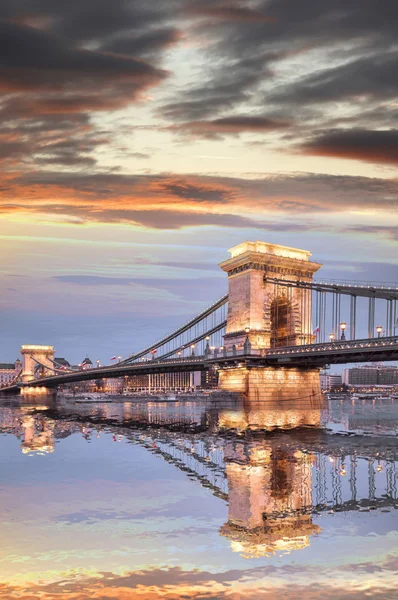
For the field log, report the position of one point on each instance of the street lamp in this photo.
(119, 358)
(247, 345)
(331, 337)
(379, 329)
(207, 348)
(343, 327)
(193, 349)
(98, 363)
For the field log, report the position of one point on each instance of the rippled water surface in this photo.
(197, 500)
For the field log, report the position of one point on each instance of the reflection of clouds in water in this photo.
(144, 509)
(174, 583)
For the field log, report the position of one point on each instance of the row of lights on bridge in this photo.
(343, 327)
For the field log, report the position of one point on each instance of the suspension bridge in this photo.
(276, 316)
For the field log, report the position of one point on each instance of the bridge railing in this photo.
(378, 285)
(335, 345)
(338, 345)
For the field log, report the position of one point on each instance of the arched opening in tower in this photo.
(282, 325)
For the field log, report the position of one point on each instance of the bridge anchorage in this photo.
(267, 338)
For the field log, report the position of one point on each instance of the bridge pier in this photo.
(287, 386)
(274, 397)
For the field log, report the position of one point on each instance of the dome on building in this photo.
(87, 361)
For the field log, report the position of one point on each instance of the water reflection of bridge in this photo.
(276, 485)
(274, 489)
(195, 438)
(334, 475)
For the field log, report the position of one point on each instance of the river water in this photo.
(199, 499)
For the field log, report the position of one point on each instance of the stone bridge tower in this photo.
(264, 311)
(268, 312)
(33, 356)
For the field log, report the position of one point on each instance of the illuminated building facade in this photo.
(330, 381)
(113, 385)
(370, 375)
(209, 379)
(163, 382)
(8, 372)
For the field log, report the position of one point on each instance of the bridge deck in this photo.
(314, 355)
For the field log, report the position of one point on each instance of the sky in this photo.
(141, 140)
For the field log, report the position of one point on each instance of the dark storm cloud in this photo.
(147, 43)
(228, 12)
(90, 20)
(295, 195)
(245, 54)
(27, 137)
(183, 189)
(231, 126)
(359, 144)
(372, 78)
(384, 231)
(55, 72)
(100, 55)
(225, 87)
(380, 117)
(32, 59)
(153, 219)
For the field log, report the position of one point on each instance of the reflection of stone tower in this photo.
(38, 436)
(275, 413)
(270, 494)
(33, 353)
(277, 398)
